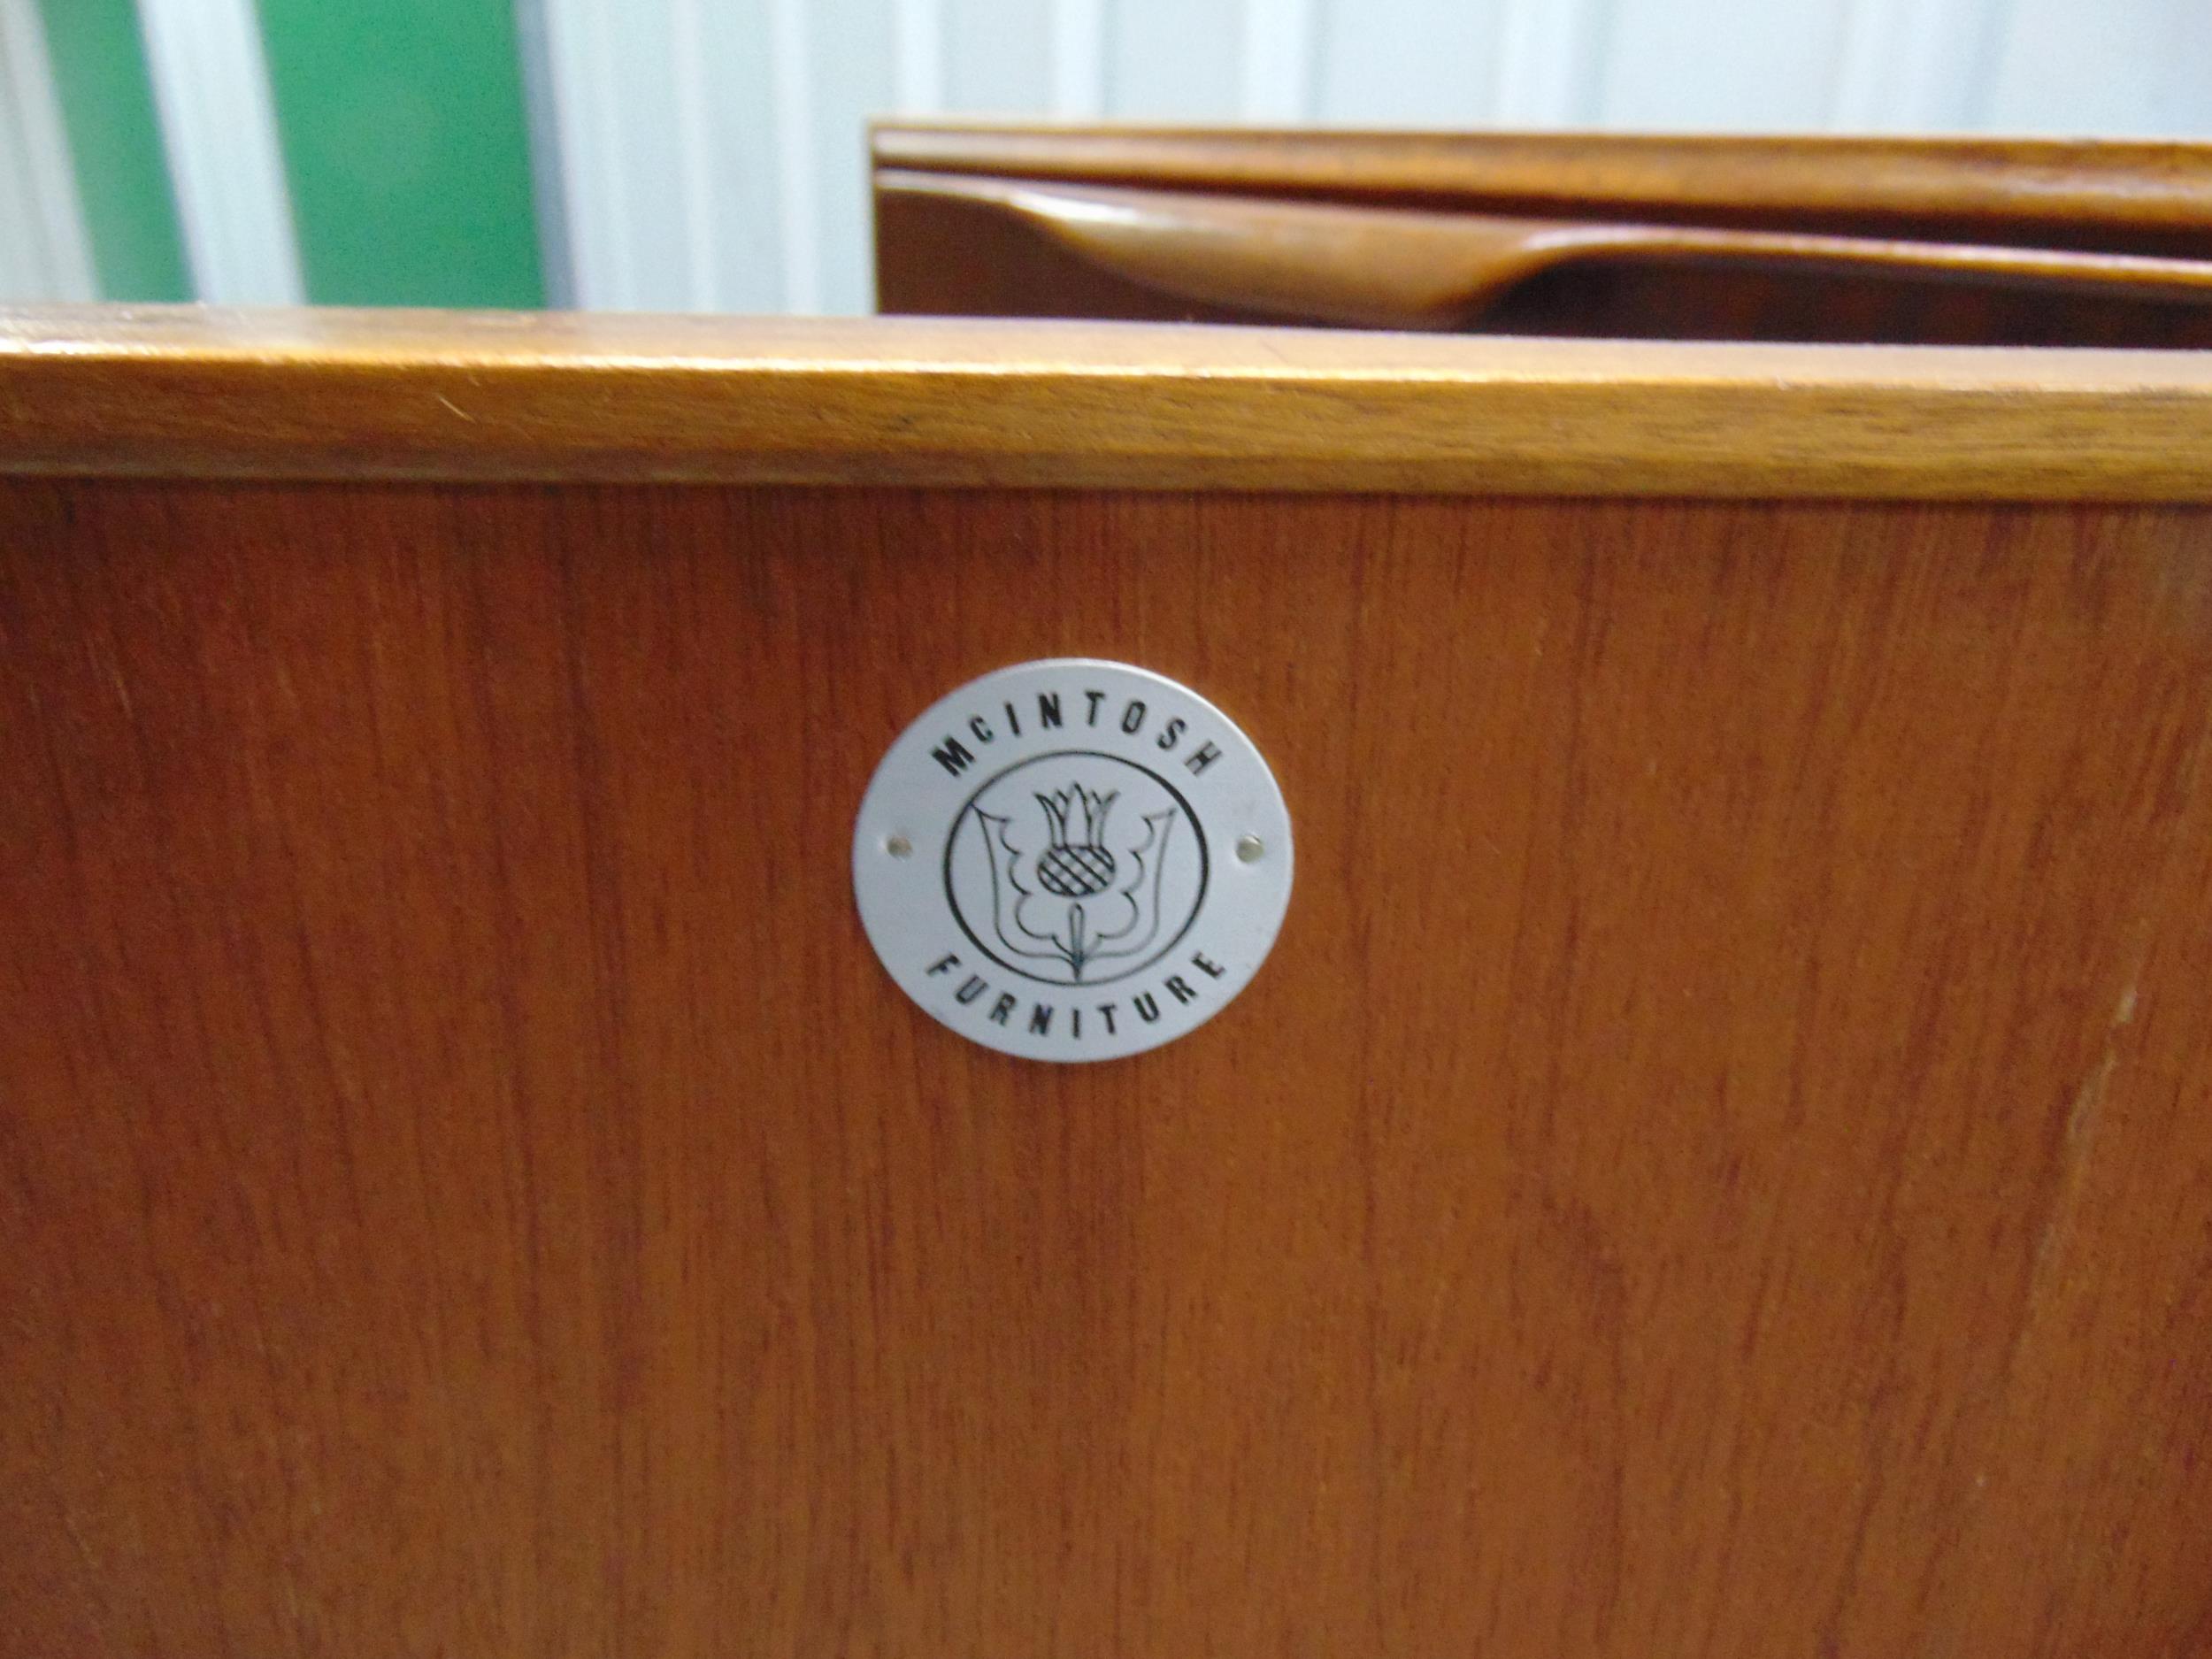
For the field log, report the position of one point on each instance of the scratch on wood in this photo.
(2080, 1120)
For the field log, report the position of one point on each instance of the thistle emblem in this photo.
(1076, 869)
(1076, 898)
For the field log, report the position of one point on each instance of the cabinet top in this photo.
(192, 391)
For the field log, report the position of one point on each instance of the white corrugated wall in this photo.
(724, 154)
(709, 155)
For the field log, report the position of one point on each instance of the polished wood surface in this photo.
(198, 392)
(1875, 240)
(2125, 195)
(1719, 1163)
(1407, 268)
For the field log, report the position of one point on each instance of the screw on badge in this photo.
(1034, 860)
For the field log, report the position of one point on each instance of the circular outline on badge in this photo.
(1274, 807)
(1198, 828)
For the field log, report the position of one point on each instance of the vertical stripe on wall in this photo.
(2140, 69)
(1175, 60)
(798, 182)
(1912, 66)
(1545, 56)
(99, 67)
(1079, 61)
(917, 55)
(218, 127)
(695, 151)
(1277, 51)
(548, 166)
(44, 253)
(852, 79)
(406, 151)
(998, 56)
(586, 71)
(1406, 63)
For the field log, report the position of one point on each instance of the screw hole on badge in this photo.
(1250, 849)
(898, 846)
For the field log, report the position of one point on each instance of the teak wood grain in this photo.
(1970, 242)
(1719, 1163)
(2100, 192)
(1395, 267)
(196, 392)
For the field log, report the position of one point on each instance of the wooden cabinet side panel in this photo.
(1718, 1161)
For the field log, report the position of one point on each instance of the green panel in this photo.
(115, 145)
(406, 149)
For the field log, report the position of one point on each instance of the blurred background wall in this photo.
(710, 154)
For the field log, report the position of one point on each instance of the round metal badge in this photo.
(1072, 860)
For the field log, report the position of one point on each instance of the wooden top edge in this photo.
(954, 141)
(2136, 184)
(1324, 140)
(202, 392)
(403, 340)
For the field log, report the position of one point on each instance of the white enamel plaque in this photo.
(1072, 860)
